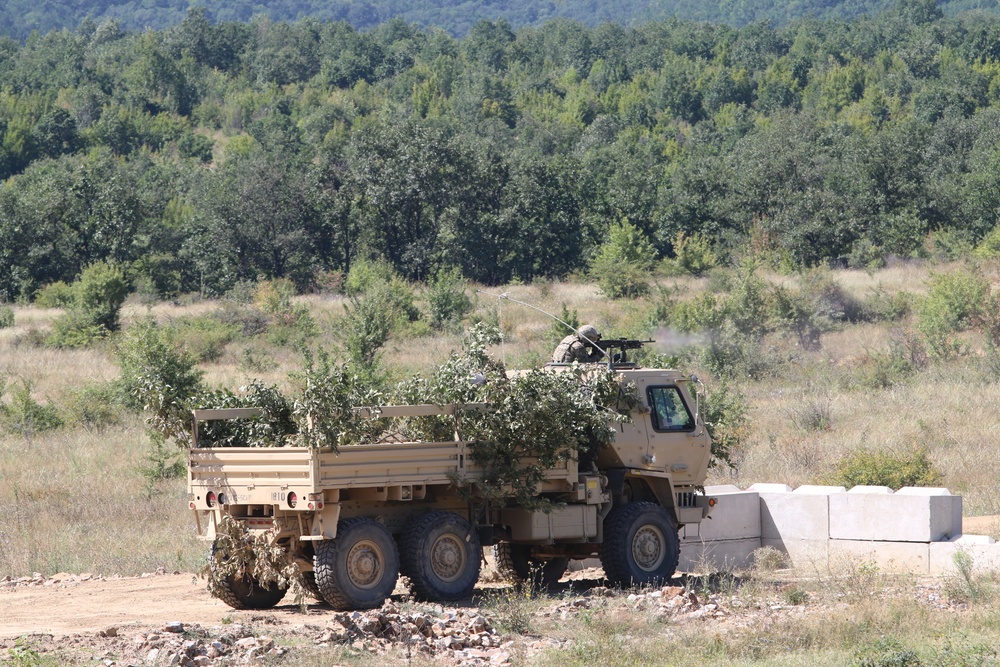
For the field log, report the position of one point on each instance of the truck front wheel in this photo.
(441, 556)
(641, 545)
(358, 569)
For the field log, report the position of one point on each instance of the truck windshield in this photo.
(669, 411)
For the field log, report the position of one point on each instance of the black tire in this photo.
(641, 545)
(358, 569)
(515, 563)
(441, 555)
(244, 592)
(309, 583)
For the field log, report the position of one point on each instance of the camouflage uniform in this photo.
(576, 348)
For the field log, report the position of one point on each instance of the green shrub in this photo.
(203, 337)
(989, 246)
(94, 406)
(881, 306)
(954, 302)
(692, 254)
(886, 652)
(289, 323)
(622, 266)
(24, 415)
(55, 295)
(865, 467)
(366, 327)
(904, 357)
(156, 375)
(97, 299)
(6, 317)
(366, 273)
(447, 298)
(100, 293)
(724, 411)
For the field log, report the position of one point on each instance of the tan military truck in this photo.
(355, 519)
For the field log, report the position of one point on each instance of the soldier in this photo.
(579, 347)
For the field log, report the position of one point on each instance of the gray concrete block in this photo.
(811, 556)
(736, 517)
(985, 555)
(890, 557)
(799, 516)
(895, 517)
(718, 555)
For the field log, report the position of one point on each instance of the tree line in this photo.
(210, 153)
(19, 18)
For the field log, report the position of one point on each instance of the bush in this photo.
(884, 468)
(724, 411)
(6, 317)
(880, 306)
(204, 337)
(954, 302)
(886, 652)
(97, 299)
(692, 254)
(55, 295)
(156, 375)
(100, 293)
(447, 298)
(366, 273)
(622, 266)
(366, 327)
(95, 406)
(24, 415)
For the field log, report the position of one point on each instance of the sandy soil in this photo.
(71, 607)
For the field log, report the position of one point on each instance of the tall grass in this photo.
(74, 498)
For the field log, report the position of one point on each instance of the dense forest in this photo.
(209, 153)
(18, 18)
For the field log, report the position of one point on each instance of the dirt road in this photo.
(70, 607)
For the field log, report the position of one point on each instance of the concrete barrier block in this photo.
(807, 555)
(798, 516)
(985, 557)
(717, 556)
(770, 488)
(895, 517)
(736, 517)
(893, 557)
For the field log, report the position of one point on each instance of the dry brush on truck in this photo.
(545, 466)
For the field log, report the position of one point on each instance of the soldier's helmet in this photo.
(590, 332)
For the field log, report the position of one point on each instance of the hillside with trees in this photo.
(18, 18)
(207, 154)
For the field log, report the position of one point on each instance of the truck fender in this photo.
(324, 523)
(661, 486)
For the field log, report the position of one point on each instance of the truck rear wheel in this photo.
(441, 555)
(244, 592)
(358, 569)
(641, 545)
(515, 564)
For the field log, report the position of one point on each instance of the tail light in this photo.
(210, 498)
(292, 499)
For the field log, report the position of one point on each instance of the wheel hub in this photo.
(648, 548)
(365, 564)
(448, 557)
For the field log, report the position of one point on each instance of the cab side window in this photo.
(669, 412)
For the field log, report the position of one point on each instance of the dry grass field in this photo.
(80, 498)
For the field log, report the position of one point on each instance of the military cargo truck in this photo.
(354, 520)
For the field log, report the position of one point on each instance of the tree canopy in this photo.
(213, 152)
